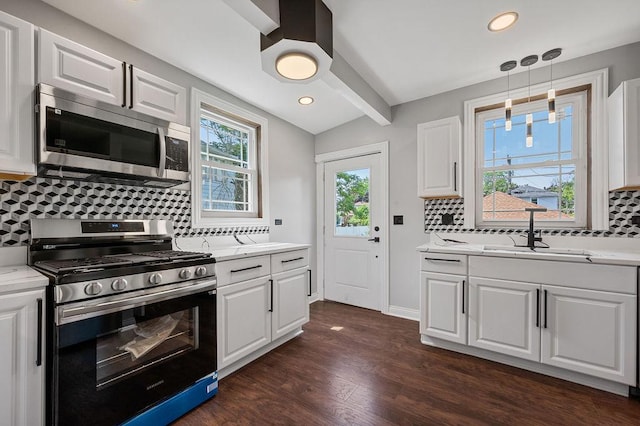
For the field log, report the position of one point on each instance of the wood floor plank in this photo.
(374, 371)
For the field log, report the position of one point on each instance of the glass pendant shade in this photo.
(507, 115)
(529, 140)
(551, 99)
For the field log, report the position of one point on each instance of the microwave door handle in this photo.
(163, 152)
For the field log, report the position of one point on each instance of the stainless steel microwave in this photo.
(83, 139)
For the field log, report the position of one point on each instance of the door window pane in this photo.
(352, 214)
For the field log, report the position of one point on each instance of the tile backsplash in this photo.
(53, 198)
(622, 206)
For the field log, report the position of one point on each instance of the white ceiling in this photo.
(404, 49)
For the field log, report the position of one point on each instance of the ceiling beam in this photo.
(264, 15)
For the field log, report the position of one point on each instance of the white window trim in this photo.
(198, 98)
(599, 201)
(579, 122)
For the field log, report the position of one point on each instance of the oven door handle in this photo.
(69, 313)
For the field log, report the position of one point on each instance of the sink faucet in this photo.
(531, 238)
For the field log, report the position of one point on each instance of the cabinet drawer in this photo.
(233, 271)
(289, 260)
(444, 263)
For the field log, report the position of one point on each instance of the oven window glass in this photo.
(138, 345)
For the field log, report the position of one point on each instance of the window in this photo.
(229, 167)
(552, 173)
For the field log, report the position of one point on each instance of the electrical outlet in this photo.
(446, 219)
(278, 221)
(398, 220)
(635, 220)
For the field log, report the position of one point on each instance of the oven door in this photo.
(117, 359)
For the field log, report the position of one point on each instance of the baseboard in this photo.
(536, 367)
(399, 311)
(315, 297)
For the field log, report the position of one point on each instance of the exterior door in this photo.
(353, 228)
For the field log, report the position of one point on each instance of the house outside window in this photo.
(229, 171)
(552, 173)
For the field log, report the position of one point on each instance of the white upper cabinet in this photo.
(155, 96)
(624, 136)
(440, 158)
(71, 66)
(17, 74)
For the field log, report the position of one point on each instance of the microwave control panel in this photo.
(177, 154)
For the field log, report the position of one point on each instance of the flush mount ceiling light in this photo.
(296, 66)
(502, 21)
(305, 100)
(301, 49)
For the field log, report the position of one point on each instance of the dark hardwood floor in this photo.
(375, 371)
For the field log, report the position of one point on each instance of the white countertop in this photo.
(610, 257)
(236, 252)
(20, 278)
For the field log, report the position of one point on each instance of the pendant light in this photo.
(527, 62)
(508, 66)
(551, 94)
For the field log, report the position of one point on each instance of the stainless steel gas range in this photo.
(131, 322)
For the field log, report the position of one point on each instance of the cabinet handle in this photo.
(537, 307)
(309, 294)
(437, 259)
(545, 308)
(292, 260)
(124, 84)
(271, 297)
(39, 335)
(455, 175)
(130, 86)
(463, 282)
(245, 269)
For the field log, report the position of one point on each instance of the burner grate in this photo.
(58, 266)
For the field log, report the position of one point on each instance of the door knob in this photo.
(375, 239)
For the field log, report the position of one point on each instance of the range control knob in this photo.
(185, 274)
(201, 271)
(93, 289)
(119, 284)
(155, 279)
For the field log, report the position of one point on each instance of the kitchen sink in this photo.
(548, 250)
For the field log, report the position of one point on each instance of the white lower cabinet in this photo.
(21, 358)
(590, 332)
(290, 301)
(243, 319)
(504, 317)
(442, 306)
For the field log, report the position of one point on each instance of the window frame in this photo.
(245, 120)
(579, 102)
(598, 195)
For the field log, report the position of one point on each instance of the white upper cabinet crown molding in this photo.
(624, 136)
(440, 158)
(17, 73)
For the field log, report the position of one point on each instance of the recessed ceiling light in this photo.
(305, 100)
(296, 66)
(503, 21)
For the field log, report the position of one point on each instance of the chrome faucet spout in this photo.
(531, 236)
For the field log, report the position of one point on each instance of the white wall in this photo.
(623, 64)
(291, 150)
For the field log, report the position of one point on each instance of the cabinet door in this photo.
(71, 66)
(290, 301)
(439, 160)
(592, 332)
(16, 96)
(157, 97)
(22, 384)
(632, 132)
(442, 306)
(243, 319)
(503, 317)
